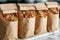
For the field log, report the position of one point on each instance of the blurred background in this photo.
(28, 1)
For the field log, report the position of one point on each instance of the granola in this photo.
(28, 13)
(10, 17)
(42, 13)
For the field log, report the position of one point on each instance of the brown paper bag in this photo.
(9, 22)
(41, 19)
(26, 21)
(53, 16)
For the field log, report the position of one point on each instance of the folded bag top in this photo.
(41, 6)
(9, 12)
(42, 10)
(51, 4)
(26, 7)
(8, 8)
(53, 7)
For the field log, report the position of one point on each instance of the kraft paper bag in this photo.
(41, 19)
(26, 21)
(8, 22)
(53, 16)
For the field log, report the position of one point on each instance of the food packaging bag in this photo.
(41, 18)
(9, 22)
(53, 16)
(26, 24)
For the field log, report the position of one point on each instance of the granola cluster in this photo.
(42, 13)
(10, 17)
(53, 10)
(28, 13)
